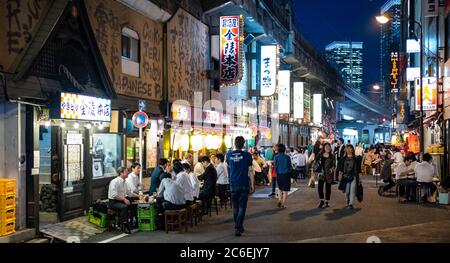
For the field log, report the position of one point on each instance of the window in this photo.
(130, 52)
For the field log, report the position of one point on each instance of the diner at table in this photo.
(404, 175)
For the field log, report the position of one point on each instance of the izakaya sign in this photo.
(429, 94)
(268, 70)
(394, 70)
(231, 28)
(298, 100)
(79, 107)
(284, 91)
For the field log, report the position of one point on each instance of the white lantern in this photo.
(228, 141)
(184, 142)
(210, 142)
(197, 142)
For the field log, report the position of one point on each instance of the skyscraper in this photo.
(347, 58)
(389, 43)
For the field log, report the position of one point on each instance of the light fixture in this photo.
(382, 19)
(100, 126)
(62, 125)
(376, 87)
(88, 126)
(47, 124)
(76, 125)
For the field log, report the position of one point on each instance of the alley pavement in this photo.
(302, 221)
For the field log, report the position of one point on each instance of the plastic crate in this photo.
(97, 218)
(7, 214)
(147, 224)
(7, 186)
(148, 211)
(7, 201)
(7, 227)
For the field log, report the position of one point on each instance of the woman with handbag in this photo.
(283, 169)
(326, 167)
(348, 169)
(312, 163)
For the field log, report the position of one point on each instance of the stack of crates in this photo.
(146, 215)
(97, 218)
(7, 206)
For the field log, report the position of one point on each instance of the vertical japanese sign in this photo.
(268, 70)
(429, 94)
(317, 105)
(230, 50)
(401, 112)
(298, 100)
(430, 8)
(446, 98)
(394, 70)
(284, 92)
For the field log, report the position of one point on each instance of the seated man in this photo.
(119, 196)
(209, 178)
(183, 180)
(402, 172)
(386, 173)
(157, 175)
(170, 196)
(425, 172)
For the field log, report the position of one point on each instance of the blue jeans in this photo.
(239, 197)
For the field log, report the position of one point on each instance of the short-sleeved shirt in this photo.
(238, 164)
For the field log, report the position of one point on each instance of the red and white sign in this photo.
(212, 117)
(230, 68)
(140, 120)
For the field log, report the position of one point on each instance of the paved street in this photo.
(303, 222)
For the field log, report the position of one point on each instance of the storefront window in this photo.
(107, 158)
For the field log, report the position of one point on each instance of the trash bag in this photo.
(359, 192)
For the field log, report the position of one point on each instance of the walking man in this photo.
(241, 185)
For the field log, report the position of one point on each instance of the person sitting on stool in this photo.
(171, 195)
(424, 173)
(119, 196)
(209, 178)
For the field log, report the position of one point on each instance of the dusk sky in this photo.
(324, 21)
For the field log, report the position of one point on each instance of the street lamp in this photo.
(376, 87)
(383, 19)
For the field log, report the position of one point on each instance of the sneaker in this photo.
(326, 205)
(272, 195)
(350, 207)
(242, 230)
(237, 233)
(322, 203)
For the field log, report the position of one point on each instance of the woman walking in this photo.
(327, 166)
(349, 173)
(283, 169)
(312, 162)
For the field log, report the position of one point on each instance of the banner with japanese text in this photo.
(429, 94)
(230, 48)
(268, 70)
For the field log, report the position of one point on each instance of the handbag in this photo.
(359, 192)
(311, 158)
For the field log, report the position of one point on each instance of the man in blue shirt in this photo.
(239, 162)
(157, 175)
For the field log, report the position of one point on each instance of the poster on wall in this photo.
(230, 50)
(317, 105)
(268, 70)
(106, 154)
(298, 100)
(429, 94)
(284, 91)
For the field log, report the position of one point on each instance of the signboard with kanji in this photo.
(230, 49)
(268, 70)
(429, 94)
(79, 107)
(394, 70)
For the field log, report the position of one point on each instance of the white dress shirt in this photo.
(195, 184)
(401, 168)
(117, 187)
(398, 157)
(424, 172)
(185, 183)
(222, 173)
(133, 183)
(171, 192)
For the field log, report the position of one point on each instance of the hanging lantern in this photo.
(197, 142)
(184, 142)
(228, 141)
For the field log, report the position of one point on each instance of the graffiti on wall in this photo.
(18, 21)
(187, 47)
(107, 20)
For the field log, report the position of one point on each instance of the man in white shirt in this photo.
(119, 195)
(170, 196)
(425, 172)
(183, 180)
(133, 178)
(300, 161)
(401, 175)
(222, 178)
(193, 179)
(398, 157)
(188, 159)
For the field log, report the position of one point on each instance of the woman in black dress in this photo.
(283, 169)
(327, 165)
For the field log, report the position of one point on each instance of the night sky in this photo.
(324, 21)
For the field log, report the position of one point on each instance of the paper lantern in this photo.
(228, 141)
(197, 142)
(175, 140)
(184, 142)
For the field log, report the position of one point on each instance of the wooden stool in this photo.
(113, 218)
(175, 219)
(198, 212)
(191, 214)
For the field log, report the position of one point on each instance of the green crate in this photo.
(146, 211)
(97, 218)
(147, 224)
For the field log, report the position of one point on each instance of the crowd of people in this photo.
(177, 184)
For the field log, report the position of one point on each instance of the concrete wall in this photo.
(9, 164)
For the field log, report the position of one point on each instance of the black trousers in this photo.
(327, 190)
(222, 192)
(413, 186)
(120, 207)
(389, 184)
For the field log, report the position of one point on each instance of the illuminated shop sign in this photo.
(268, 70)
(231, 28)
(284, 93)
(80, 107)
